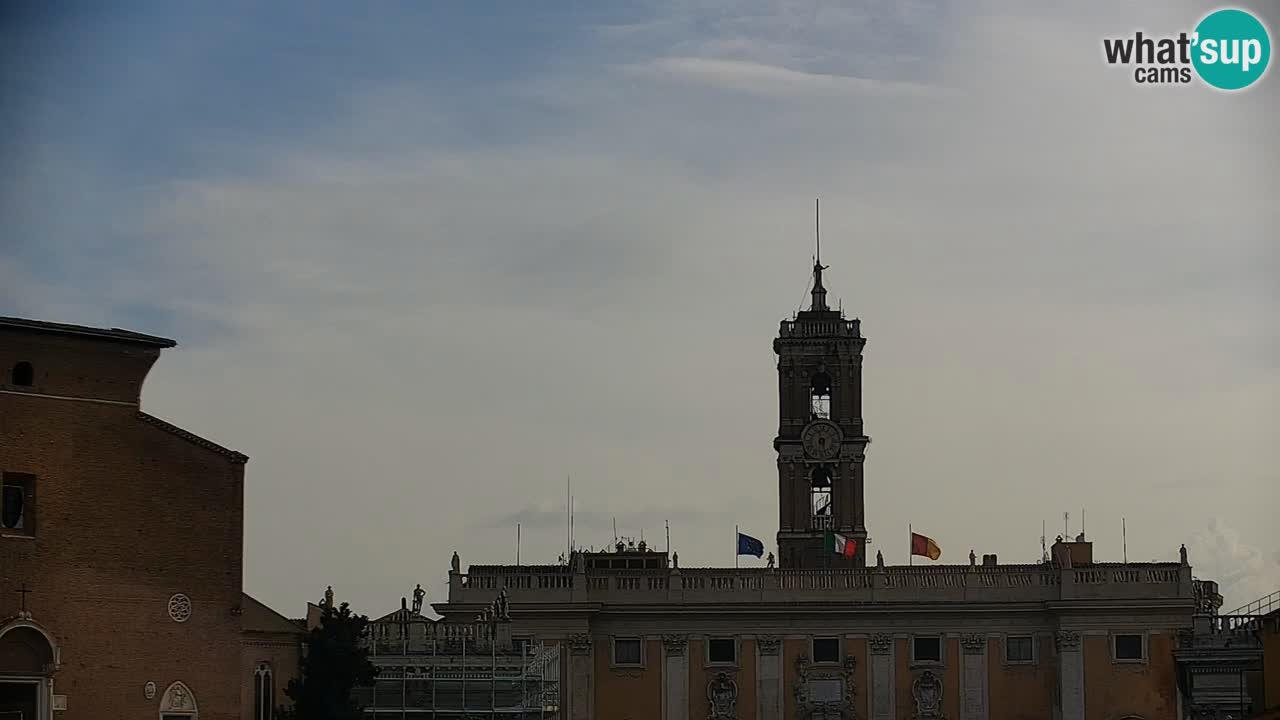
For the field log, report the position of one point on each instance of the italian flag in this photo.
(841, 545)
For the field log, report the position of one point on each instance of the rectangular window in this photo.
(722, 651)
(1019, 649)
(626, 651)
(1129, 647)
(521, 644)
(17, 503)
(927, 648)
(826, 650)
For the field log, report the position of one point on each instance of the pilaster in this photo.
(675, 677)
(882, 684)
(768, 677)
(581, 691)
(973, 677)
(1070, 674)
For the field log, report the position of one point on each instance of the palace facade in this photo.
(826, 636)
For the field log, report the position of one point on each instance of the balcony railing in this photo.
(820, 522)
(1004, 583)
(1261, 606)
(819, 328)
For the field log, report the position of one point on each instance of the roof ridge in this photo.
(238, 458)
(118, 334)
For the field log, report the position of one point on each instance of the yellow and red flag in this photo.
(925, 546)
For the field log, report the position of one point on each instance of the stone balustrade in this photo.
(819, 328)
(924, 583)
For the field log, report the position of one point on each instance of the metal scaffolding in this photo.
(431, 670)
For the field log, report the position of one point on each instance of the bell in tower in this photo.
(820, 443)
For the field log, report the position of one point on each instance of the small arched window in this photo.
(820, 394)
(263, 693)
(820, 497)
(23, 374)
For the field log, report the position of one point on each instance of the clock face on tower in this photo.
(822, 440)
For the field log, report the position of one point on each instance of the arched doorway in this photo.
(178, 703)
(28, 659)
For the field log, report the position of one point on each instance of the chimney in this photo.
(1072, 554)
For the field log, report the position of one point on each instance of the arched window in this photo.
(820, 394)
(23, 374)
(820, 497)
(263, 693)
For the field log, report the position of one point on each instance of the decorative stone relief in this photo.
(927, 692)
(179, 608)
(178, 698)
(149, 691)
(1065, 640)
(880, 643)
(675, 644)
(824, 692)
(973, 643)
(768, 644)
(580, 644)
(722, 695)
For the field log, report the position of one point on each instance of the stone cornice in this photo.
(236, 458)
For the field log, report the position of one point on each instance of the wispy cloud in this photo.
(771, 80)
(1244, 572)
(467, 270)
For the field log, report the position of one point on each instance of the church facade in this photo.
(120, 538)
(828, 636)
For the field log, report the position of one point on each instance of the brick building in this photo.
(120, 538)
(270, 659)
(827, 636)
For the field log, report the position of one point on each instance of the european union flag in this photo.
(748, 545)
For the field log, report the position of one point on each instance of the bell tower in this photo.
(820, 442)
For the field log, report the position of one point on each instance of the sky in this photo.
(426, 261)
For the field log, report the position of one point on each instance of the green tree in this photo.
(334, 663)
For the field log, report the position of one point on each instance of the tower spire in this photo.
(819, 292)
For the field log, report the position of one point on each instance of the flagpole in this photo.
(735, 547)
(910, 537)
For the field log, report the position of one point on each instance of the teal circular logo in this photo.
(1231, 49)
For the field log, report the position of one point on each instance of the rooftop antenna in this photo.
(568, 515)
(817, 232)
(1066, 526)
(615, 530)
(1044, 551)
(819, 293)
(1082, 524)
(1124, 539)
